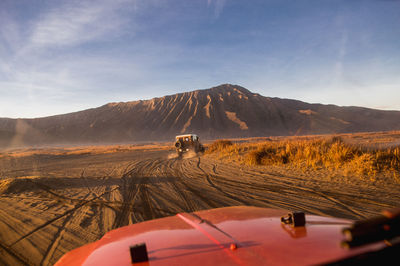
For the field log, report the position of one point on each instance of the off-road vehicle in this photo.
(188, 142)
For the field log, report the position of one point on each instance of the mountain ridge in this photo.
(222, 111)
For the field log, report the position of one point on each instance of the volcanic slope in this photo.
(223, 111)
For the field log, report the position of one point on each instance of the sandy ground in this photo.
(50, 204)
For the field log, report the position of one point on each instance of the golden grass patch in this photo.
(331, 153)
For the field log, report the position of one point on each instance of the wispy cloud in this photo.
(218, 6)
(10, 33)
(341, 47)
(342, 50)
(71, 23)
(76, 23)
(39, 62)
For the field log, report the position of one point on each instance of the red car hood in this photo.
(224, 236)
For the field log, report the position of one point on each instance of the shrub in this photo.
(219, 145)
(256, 157)
(333, 153)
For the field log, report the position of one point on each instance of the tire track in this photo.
(155, 172)
(295, 189)
(148, 212)
(190, 206)
(14, 254)
(53, 220)
(227, 199)
(147, 185)
(47, 256)
(180, 175)
(129, 191)
(211, 183)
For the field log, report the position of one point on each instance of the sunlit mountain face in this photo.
(223, 111)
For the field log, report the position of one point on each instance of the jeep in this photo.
(188, 142)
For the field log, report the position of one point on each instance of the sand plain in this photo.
(55, 200)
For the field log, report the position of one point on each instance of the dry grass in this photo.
(333, 153)
(79, 150)
(219, 145)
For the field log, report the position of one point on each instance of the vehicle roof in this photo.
(185, 135)
(206, 238)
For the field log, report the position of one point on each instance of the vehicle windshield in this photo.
(114, 113)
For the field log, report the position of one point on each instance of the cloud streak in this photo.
(74, 24)
(218, 6)
(39, 62)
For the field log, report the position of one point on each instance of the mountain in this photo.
(221, 112)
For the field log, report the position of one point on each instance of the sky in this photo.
(61, 56)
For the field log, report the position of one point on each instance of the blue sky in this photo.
(63, 56)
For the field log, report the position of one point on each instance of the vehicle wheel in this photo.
(178, 144)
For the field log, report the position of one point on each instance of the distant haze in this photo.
(224, 111)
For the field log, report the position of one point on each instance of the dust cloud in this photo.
(186, 155)
(173, 155)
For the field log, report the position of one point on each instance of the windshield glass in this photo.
(114, 113)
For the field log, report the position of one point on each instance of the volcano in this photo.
(225, 111)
